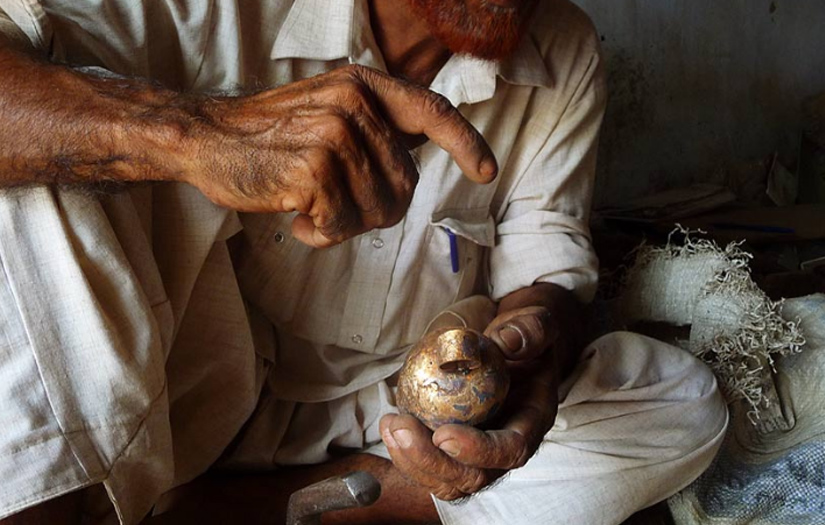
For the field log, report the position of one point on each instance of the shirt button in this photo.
(357, 339)
(377, 243)
(279, 237)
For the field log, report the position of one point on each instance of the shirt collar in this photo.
(526, 67)
(324, 30)
(466, 79)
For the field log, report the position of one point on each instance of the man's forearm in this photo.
(61, 126)
(328, 147)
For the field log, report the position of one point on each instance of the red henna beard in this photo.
(473, 27)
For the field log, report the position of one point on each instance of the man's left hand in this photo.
(459, 460)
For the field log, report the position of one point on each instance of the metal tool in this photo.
(356, 489)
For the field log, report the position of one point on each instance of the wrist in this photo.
(144, 129)
(196, 139)
(165, 139)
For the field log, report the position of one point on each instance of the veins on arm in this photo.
(60, 126)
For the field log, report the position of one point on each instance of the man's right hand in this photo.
(330, 147)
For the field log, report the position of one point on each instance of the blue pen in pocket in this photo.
(453, 249)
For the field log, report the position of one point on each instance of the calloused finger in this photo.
(416, 110)
(392, 163)
(535, 410)
(413, 453)
(495, 449)
(331, 217)
(304, 229)
(397, 441)
(523, 334)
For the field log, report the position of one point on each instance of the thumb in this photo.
(522, 334)
(415, 110)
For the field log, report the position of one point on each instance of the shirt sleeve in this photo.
(11, 34)
(24, 25)
(543, 235)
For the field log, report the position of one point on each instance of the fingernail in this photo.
(512, 338)
(450, 447)
(403, 438)
(488, 168)
(389, 440)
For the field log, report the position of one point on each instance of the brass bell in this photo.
(453, 375)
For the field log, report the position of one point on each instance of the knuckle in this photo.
(393, 218)
(367, 77)
(437, 104)
(409, 178)
(403, 467)
(470, 138)
(536, 325)
(336, 129)
(388, 213)
(380, 217)
(355, 71)
(448, 493)
(407, 167)
(374, 202)
(320, 167)
(404, 166)
(354, 96)
(409, 474)
(397, 210)
(374, 217)
(407, 186)
(338, 227)
(521, 451)
(474, 482)
(335, 217)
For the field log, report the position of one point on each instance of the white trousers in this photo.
(638, 421)
(93, 389)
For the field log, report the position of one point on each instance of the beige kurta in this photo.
(133, 351)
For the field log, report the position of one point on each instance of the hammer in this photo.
(356, 489)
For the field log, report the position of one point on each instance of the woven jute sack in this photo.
(771, 468)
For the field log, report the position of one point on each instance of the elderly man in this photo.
(150, 336)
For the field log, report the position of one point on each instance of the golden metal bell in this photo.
(453, 376)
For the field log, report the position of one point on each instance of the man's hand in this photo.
(330, 147)
(457, 460)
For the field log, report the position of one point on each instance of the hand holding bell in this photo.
(453, 376)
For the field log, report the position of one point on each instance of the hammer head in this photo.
(356, 489)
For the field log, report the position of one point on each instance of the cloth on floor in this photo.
(769, 358)
(772, 474)
(734, 327)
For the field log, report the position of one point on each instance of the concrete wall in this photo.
(698, 84)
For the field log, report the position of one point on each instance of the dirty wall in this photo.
(698, 84)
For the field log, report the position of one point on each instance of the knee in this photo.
(673, 390)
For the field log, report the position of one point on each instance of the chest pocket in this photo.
(460, 236)
(453, 268)
(355, 296)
